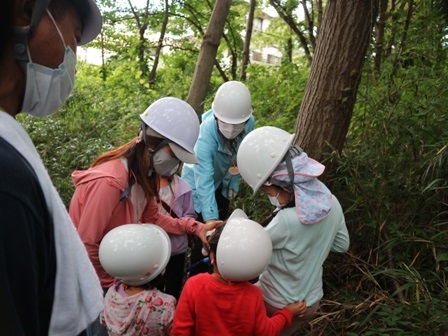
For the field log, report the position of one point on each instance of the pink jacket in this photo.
(96, 209)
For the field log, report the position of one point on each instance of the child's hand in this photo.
(297, 308)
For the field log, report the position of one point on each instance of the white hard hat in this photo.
(260, 152)
(232, 103)
(175, 120)
(135, 253)
(244, 249)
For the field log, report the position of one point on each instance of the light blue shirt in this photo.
(299, 251)
(213, 167)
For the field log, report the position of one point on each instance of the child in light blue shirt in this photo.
(308, 223)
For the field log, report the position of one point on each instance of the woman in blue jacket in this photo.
(215, 179)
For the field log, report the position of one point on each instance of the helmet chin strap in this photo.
(21, 34)
(152, 152)
(290, 154)
(142, 135)
(39, 10)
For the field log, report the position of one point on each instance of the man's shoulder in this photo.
(15, 170)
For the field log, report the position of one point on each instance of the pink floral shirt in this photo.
(149, 312)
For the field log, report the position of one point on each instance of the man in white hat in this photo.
(49, 286)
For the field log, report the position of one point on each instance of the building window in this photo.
(257, 56)
(274, 60)
(258, 24)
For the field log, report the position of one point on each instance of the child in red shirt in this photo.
(225, 302)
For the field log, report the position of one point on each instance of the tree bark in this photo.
(247, 38)
(207, 55)
(330, 95)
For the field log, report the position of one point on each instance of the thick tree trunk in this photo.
(330, 96)
(207, 55)
(247, 38)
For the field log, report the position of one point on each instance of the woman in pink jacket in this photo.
(121, 185)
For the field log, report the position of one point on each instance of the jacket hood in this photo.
(114, 170)
(122, 312)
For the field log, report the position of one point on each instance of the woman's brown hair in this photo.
(136, 151)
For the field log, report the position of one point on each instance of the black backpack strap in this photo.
(168, 209)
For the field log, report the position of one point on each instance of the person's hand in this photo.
(297, 308)
(231, 194)
(208, 234)
(208, 225)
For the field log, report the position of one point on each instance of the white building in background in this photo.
(267, 55)
(89, 55)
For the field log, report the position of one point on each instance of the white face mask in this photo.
(274, 201)
(230, 131)
(165, 164)
(46, 88)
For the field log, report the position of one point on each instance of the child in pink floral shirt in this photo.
(136, 254)
(147, 312)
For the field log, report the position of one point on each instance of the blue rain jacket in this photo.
(212, 172)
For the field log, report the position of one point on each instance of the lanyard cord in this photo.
(233, 170)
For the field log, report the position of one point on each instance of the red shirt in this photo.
(210, 307)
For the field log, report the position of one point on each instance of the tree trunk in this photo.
(142, 24)
(103, 58)
(309, 23)
(247, 38)
(330, 96)
(152, 75)
(287, 15)
(141, 51)
(287, 53)
(319, 9)
(403, 40)
(380, 27)
(207, 55)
